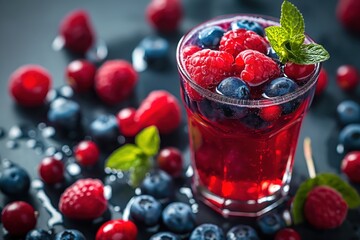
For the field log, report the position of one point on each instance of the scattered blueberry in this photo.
(104, 129)
(164, 236)
(158, 184)
(145, 210)
(38, 234)
(348, 112)
(155, 48)
(14, 181)
(210, 37)
(70, 234)
(271, 223)
(64, 114)
(349, 137)
(242, 232)
(178, 217)
(207, 232)
(248, 25)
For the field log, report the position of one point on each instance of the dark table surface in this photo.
(27, 29)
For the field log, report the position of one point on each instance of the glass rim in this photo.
(214, 96)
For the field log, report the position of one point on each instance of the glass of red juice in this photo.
(242, 150)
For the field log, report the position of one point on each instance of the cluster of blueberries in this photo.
(348, 113)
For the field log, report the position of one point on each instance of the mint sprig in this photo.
(287, 40)
(349, 194)
(136, 158)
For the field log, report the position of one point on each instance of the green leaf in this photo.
(291, 19)
(139, 171)
(309, 54)
(349, 194)
(296, 41)
(124, 158)
(278, 37)
(148, 140)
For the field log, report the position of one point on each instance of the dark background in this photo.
(27, 29)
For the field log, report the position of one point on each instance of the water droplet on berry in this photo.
(97, 52)
(12, 144)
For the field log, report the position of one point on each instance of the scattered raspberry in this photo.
(76, 29)
(322, 82)
(348, 14)
(270, 113)
(351, 166)
(87, 153)
(164, 15)
(80, 75)
(256, 68)
(298, 72)
(126, 121)
(83, 200)
(347, 77)
(325, 208)
(29, 85)
(159, 108)
(115, 81)
(236, 41)
(190, 50)
(51, 170)
(117, 230)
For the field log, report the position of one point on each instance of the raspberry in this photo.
(236, 41)
(126, 121)
(347, 12)
(347, 77)
(322, 82)
(208, 67)
(325, 208)
(51, 170)
(256, 68)
(190, 50)
(115, 81)
(80, 75)
(83, 200)
(117, 230)
(161, 109)
(77, 31)
(87, 153)
(164, 15)
(351, 166)
(287, 234)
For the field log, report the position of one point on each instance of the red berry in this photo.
(115, 81)
(298, 72)
(325, 208)
(164, 15)
(347, 77)
(236, 41)
(29, 85)
(76, 29)
(256, 68)
(170, 160)
(83, 200)
(351, 166)
(190, 50)
(87, 153)
(126, 121)
(117, 230)
(159, 108)
(51, 170)
(287, 234)
(270, 113)
(80, 75)
(18, 218)
(191, 92)
(347, 12)
(322, 82)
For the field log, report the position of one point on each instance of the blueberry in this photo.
(208, 109)
(14, 181)
(254, 121)
(248, 25)
(210, 37)
(38, 234)
(178, 217)
(349, 137)
(272, 54)
(164, 236)
(242, 232)
(271, 223)
(207, 232)
(64, 114)
(70, 234)
(348, 112)
(145, 210)
(154, 48)
(158, 184)
(104, 129)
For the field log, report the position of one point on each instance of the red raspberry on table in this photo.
(256, 68)
(287, 234)
(76, 29)
(126, 121)
(164, 15)
(80, 74)
(115, 80)
(83, 200)
(351, 166)
(325, 208)
(298, 72)
(322, 82)
(348, 13)
(87, 153)
(51, 170)
(117, 230)
(159, 108)
(188, 51)
(29, 85)
(347, 77)
(170, 160)
(236, 41)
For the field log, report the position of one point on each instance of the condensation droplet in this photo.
(73, 169)
(48, 132)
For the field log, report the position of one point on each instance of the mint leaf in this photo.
(291, 19)
(124, 158)
(139, 171)
(309, 54)
(278, 37)
(148, 140)
(296, 41)
(349, 194)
